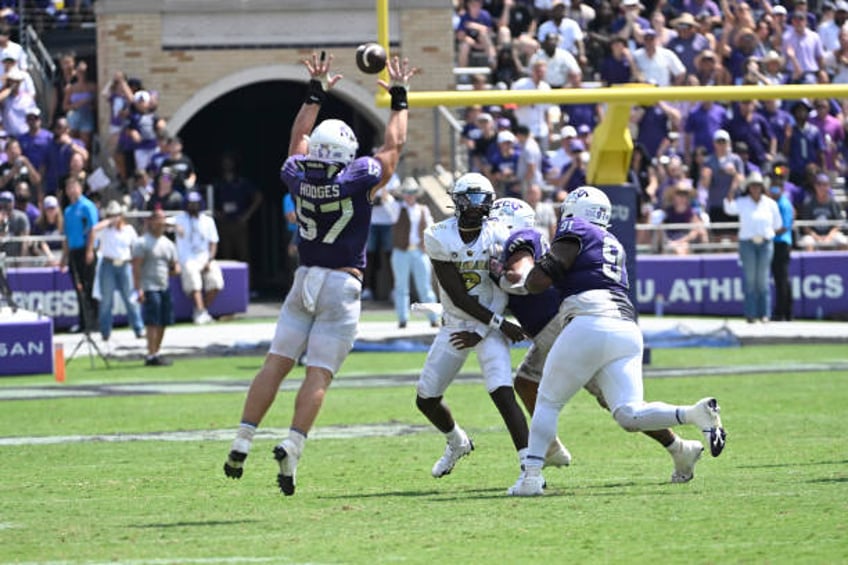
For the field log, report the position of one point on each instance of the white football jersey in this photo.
(443, 243)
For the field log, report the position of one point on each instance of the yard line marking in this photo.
(165, 561)
(327, 432)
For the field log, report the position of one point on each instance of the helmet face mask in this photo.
(589, 203)
(514, 213)
(332, 141)
(472, 196)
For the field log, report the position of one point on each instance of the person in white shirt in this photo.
(562, 70)
(657, 64)
(759, 222)
(535, 116)
(567, 30)
(114, 269)
(197, 243)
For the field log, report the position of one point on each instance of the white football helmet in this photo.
(332, 141)
(472, 196)
(589, 203)
(514, 213)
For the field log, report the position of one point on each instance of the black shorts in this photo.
(157, 309)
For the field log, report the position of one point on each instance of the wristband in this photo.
(399, 102)
(315, 93)
(496, 322)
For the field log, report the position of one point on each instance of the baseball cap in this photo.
(821, 177)
(841, 6)
(485, 117)
(506, 136)
(50, 202)
(7, 196)
(650, 32)
(504, 123)
(584, 129)
(194, 196)
(577, 145)
(141, 96)
(721, 135)
(34, 111)
(779, 10)
(568, 131)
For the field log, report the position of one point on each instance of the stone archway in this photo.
(358, 97)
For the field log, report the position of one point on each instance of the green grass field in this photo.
(777, 495)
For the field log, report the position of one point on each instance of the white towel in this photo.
(312, 284)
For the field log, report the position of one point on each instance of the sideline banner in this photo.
(26, 343)
(711, 285)
(49, 291)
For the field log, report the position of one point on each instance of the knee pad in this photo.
(626, 415)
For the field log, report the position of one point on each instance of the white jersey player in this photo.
(460, 249)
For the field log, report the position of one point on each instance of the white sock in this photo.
(456, 435)
(674, 446)
(522, 455)
(543, 428)
(298, 438)
(244, 437)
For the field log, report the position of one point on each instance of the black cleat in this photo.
(234, 467)
(288, 465)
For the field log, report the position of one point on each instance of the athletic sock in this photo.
(244, 437)
(455, 435)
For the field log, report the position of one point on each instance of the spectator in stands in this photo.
(830, 30)
(754, 130)
(664, 34)
(822, 208)
(689, 42)
(702, 123)
(141, 190)
(58, 161)
(658, 64)
(643, 175)
(567, 30)
(832, 131)
(154, 260)
(503, 165)
(705, 28)
(66, 63)
(678, 207)
(720, 176)
(119, 98)
(530, 169)
(759, 221)
(114, 270)
(197, 245)
(705, 8)
(654, 124)
(561, 158)
(709, 71)
(143, 128)
(485, 145)
(779, 175)
(836, 61)
(630, 25)
(165, 197)
(181, 164)
(780, 120)
(804, 51)
(13, 224)
(575, 175)
(9, 63)
(24, 201)
(771, 71)
(36, 142)
(49, 223)
(535, 116)
(741, 149)
(408, 256)
(546, 216)
(781, 258)
(804, 146)
(474, 35)
(17, 168)
(79, 102)
(562, 68)
(162, 152)
(236, 201)
(471, 131)
(671, 172)
(618, 66)
(12, 48)
(15, 103)
(581, 12)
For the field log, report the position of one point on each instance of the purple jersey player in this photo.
(600, 344)
(541, 317)
(333, 193)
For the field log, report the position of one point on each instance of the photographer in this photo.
(17, 168)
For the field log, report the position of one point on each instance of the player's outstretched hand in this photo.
(399, 73)
(465, 339)
(512, 331)
(319, 69)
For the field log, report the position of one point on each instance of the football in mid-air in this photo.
(371, 58)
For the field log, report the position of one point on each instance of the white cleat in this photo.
(557, 455)
(287, 455)
(685, 456)
(453, 453)
(704, 414)
(530, 483)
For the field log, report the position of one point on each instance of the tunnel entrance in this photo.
(254, 123)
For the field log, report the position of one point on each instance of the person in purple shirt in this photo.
(701, 125)
(617, 67)
(57, 163)
(752, 128)
(804, 147)
(630, 25)
(600, 345)
(831, 128)
(474, 33)
(654, 126)
(778, 172)
(689, 42)
(35, 143)
(333, 192)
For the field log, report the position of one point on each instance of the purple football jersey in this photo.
(533, 311)
(600, 266)
(333, 210)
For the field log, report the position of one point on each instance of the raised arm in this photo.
(320, 83)
(395, 137)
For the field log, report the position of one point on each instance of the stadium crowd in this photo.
(688, 155)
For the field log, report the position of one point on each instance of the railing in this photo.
(41, 66)
(454, 131)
